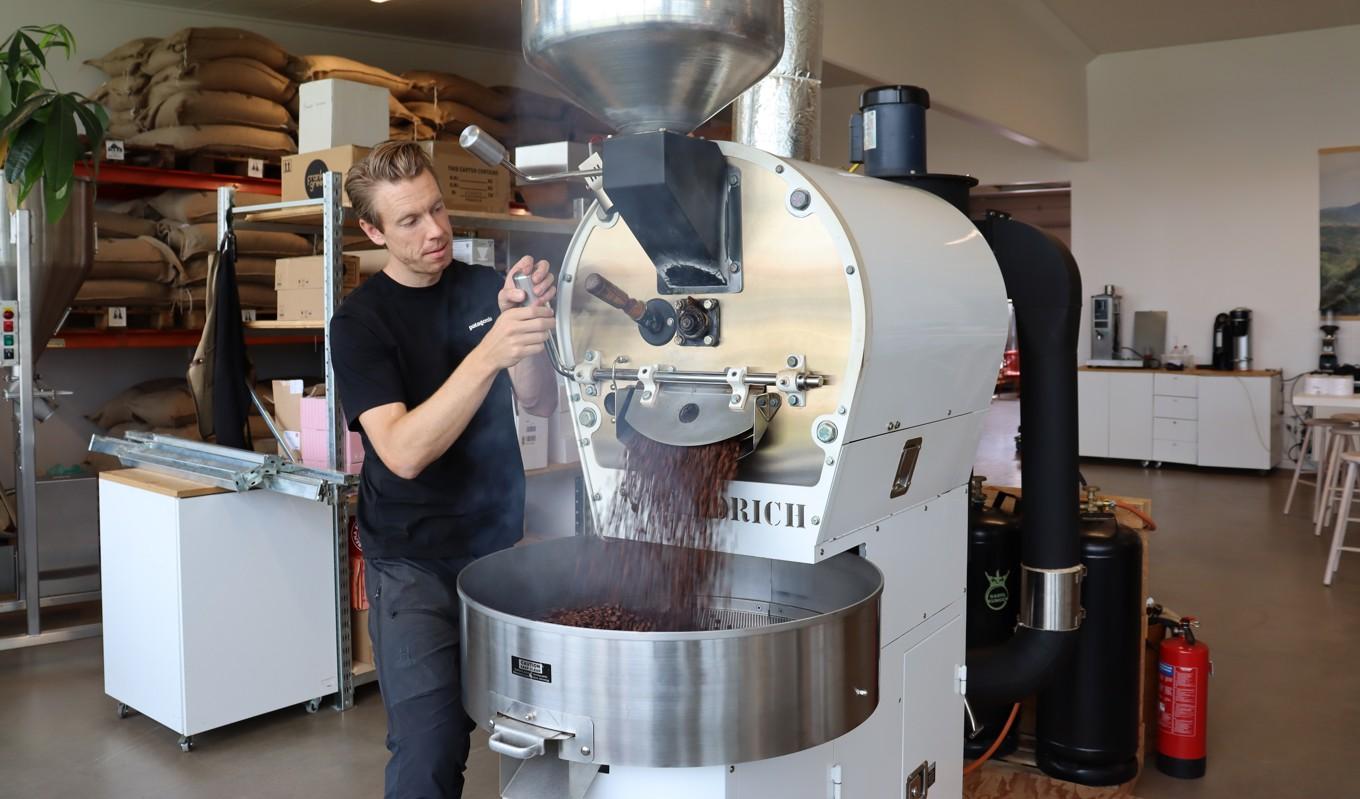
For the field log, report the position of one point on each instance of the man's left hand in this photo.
(544, 288)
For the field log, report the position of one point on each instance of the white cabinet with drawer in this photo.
(1202, 418)
(1173, 385)
(1175, 407)
(1174, 430)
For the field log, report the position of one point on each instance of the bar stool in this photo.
(1315, 433)
(1343, 438)
(1343, 517)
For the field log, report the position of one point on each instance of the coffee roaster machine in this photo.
(847, 331)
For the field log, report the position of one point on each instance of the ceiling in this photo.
(1104, 26)
(1109, 26)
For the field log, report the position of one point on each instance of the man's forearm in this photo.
(535, 385)
(428, 430)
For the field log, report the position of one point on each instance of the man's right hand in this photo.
(518, 333)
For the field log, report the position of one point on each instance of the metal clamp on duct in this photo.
(1050, 599)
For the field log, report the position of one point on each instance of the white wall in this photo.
(1009, 62)
(954, 145)
(1201, 192)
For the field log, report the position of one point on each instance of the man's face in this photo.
(415, 226)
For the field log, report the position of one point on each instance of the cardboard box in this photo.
(562, 439)
(301, 305)
(302, 173)
(371, 262)
(360, 644)
(288, 403)
(339, 112)
(294, 439)
(348, 468)
(533, 440)
(466, 183)
(478, 252)
(309, 272)
(314, 447)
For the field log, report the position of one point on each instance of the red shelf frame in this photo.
(112, 173)
(131, 338)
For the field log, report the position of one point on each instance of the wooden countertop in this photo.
(162, 484)
(1191, 372)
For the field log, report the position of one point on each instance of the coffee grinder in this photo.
(1105, 325)
(1327, 361)
(1239, 333)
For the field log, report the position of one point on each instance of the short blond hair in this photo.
(389, 162)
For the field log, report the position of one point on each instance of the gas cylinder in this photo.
(993, 600)
(1183, 671)
(1086, 724)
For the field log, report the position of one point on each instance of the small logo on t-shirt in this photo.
(479, 323)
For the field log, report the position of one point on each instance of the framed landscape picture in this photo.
(1339, 228)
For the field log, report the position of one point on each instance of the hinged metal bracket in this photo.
(736, 378)
(646, 375)
(787, 380)
(921, 780)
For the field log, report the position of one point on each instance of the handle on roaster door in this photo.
(525, 283)
(516, 743)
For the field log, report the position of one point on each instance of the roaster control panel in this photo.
(9, 333)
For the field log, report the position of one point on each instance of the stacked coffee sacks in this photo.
(188, 225)
(132, 267)
(218, 91)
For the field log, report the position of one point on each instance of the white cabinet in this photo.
(1242, 431)
(217, 606)
(1093, 414)
(1198, 418)
(1114, 415)
(1131, 416)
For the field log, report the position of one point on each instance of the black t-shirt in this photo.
(393, 343)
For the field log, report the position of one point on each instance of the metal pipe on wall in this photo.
(782, 113)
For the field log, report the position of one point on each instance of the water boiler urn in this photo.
(1239, 328)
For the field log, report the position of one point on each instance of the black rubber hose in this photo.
(1044, 285)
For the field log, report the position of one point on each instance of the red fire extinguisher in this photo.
(1184, 669)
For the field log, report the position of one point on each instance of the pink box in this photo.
(314, 447)
(350, 468)
(313, 413)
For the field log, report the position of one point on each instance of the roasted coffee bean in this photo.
(668, 495)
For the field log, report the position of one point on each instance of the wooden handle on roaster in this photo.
(600, 288)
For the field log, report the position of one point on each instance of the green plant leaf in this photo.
(94, 126)
(17, 117)
(34, 49)
(6, 96)
(60, 148)
(26, 145)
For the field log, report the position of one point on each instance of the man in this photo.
(426, 353)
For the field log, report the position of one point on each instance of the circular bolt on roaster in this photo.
(826, 432)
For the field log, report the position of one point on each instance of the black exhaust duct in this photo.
(888, 137)
(1044, 285)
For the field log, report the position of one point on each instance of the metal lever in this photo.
(974, 729)
(492, 153)
(603, 289)
(525, 283)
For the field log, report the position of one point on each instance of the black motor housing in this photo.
(1087, 721)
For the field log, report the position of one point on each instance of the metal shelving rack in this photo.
(328, 216)
(331, 218)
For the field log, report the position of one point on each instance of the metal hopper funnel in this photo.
(653, 64)
(63, 254)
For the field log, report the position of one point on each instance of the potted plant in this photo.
(40, 139)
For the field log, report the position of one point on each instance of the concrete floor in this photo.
(1285, 703)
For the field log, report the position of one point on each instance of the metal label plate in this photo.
(530, 669)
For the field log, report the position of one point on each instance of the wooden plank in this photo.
(1188, 372)
(553, 468)
(275, 324)
(162, 484)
